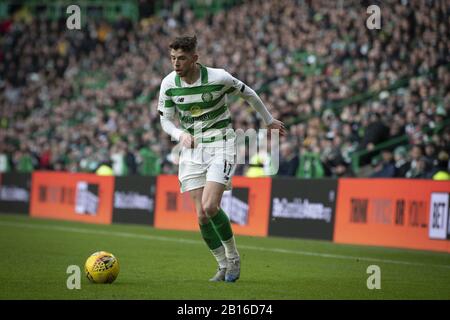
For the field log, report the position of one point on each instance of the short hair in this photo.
(187, 44)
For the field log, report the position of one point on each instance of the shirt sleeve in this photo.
(166, 109)
(249, 95)
(166, 106)
(169, 127)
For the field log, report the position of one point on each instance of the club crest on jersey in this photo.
(180, 100)
(196, 110)
(207, 97)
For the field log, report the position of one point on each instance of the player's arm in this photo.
(166, 109)
(249, 95)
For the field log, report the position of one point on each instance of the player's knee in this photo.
(203, 219)
(210, 208)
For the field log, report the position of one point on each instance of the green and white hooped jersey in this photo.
(202, 105)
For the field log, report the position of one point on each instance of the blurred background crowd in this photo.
(357, 102)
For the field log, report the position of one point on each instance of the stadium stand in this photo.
(358, 102)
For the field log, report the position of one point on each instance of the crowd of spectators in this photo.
(75, 99)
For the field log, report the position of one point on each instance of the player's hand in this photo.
(277, 124)
(187, 140)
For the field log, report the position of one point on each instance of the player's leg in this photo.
(212, 196)
(192, 175)
(209, 235)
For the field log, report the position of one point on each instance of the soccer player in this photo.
(207, 159)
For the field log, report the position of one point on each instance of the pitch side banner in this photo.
(403, 213)
(15, 192)
(134, 200)
(303, 208)
(72, 196)
(247, 205)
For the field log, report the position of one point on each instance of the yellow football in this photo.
(102, 267)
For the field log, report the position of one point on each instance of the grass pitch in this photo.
(162, 264)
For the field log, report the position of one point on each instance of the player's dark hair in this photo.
(187, 44)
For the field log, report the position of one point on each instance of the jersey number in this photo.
(227, 165)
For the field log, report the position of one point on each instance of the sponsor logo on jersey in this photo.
(196, 110)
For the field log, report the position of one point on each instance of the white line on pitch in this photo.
(196, 242)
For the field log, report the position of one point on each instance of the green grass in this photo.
(162, 264)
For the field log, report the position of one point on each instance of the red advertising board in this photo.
(72, 196)
(394, 213)
(250, 198)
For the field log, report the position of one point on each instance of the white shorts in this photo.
(206, 163)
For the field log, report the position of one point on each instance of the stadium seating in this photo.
(72, 100)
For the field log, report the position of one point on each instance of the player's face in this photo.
(182, 62)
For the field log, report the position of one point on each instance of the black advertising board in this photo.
(15, 192)
(303, 208)
(134, 200)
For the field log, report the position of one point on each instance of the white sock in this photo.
(220, 256)
(230, 248)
